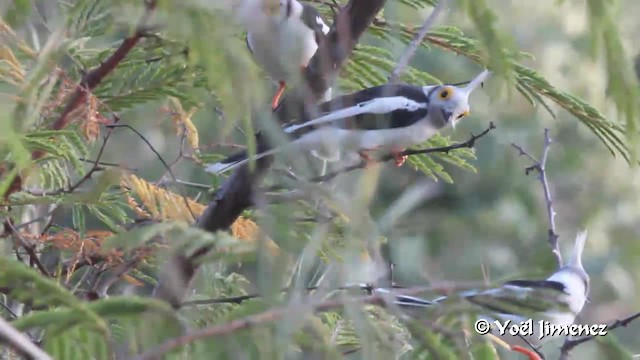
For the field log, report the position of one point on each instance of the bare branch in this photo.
(34, 259)
(569, 344)
(540, 167)
(418, 38)
(388, 157)
(20, 342)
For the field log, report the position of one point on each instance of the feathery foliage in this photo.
(90, 219)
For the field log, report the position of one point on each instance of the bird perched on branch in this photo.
(555, 301)
(381, 118)
(282, 36)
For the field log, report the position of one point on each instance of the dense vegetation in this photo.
(117, 244)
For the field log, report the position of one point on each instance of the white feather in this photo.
(578, 247)
(376, 106)
(220, 167)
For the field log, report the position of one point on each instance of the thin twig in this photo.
(35, 220)
(106, 163)
(276, 314)
(6, 307)
(29, 248)
(21, 342)
(388, 157)
(96, 163)
(541, 168)
(418, 38)
(242, 298)
(534, 348)
(164, 163)
(569, 344)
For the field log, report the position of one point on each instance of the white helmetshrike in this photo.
(556, 300)
(382, 118)
(282, 36)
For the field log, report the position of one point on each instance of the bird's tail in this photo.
(235, 160)
(576, 257)
(413, 301)
(408, 301)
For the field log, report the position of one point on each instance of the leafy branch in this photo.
(274, 314)
(92, 79)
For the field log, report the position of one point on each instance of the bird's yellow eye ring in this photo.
(445, 93)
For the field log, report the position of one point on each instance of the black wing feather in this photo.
(538, 284)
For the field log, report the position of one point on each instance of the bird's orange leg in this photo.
(278, 95)
(531, 355)
(398, 157)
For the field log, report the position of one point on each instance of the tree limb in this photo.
(540, 167)
(20, 342)
(418, 38)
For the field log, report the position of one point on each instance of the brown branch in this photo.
(569, 344)
(280, 312)
(239, 190)
(92, 79)
(34, 259)
(418, 38)
(540, 167)
(20, 342)
(445, 149)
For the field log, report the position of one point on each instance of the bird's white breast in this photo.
(282, 47)
(574, 287)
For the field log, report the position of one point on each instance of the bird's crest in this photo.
(578, 247)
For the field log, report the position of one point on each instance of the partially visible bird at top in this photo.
(282, 36)
(382, 118)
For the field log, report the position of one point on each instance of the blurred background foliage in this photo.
(190, 90)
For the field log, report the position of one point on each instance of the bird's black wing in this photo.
(521, 297)
(538, 284)
(314, 21)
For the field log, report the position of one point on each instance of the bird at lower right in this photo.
(557, 301)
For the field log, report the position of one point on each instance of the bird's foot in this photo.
(398, 158)
(276, 98)
(531, 355)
